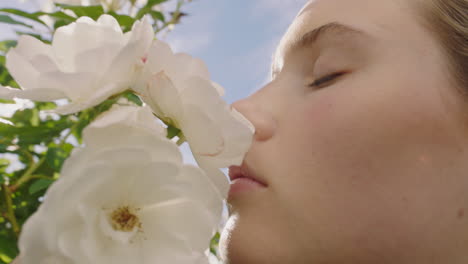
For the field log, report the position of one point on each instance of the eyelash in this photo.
(326, 79)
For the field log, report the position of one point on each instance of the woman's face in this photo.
(370, 164)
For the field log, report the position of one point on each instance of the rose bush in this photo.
(124, 194)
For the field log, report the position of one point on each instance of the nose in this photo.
(261, 119)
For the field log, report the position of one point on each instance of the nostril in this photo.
(265, 127)
(263, 121)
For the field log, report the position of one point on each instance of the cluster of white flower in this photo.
(126, 196)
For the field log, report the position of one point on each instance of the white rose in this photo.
(123, 210)
(124, 203)
(178, 89)
(87, 62)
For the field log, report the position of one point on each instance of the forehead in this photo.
(386, 20)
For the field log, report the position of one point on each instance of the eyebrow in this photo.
(313, 36)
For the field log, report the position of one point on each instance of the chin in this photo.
(243, 242)
(235, 247)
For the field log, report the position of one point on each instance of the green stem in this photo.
(41, 177)
(180, 141)
(10, 212)
(28, 174)
(175, 17)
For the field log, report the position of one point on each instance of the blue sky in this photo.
(236, 38)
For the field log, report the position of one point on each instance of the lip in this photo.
(243, 179)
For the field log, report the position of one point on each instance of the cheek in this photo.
(366, 153)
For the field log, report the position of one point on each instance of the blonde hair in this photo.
(448, 21)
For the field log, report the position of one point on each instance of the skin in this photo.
(369, 168)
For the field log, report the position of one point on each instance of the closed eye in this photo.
(325, 80)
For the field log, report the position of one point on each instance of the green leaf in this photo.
(40, 185)
(133, 98)
(8, 20)
(8, 249)
(93, 12)
(156, 15)
(45, 105)
(55, 156)
(6, 101)
(148, 8)
(7, 44)
(60, 23)
(57, 15)
(126, 22)
(155, 2)
(214, 243)
(25, 134)
(88, 116)
(35, 117)
(23, 14)
(4, 162)
(172, 131)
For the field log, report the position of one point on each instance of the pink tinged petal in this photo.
(154, 60)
